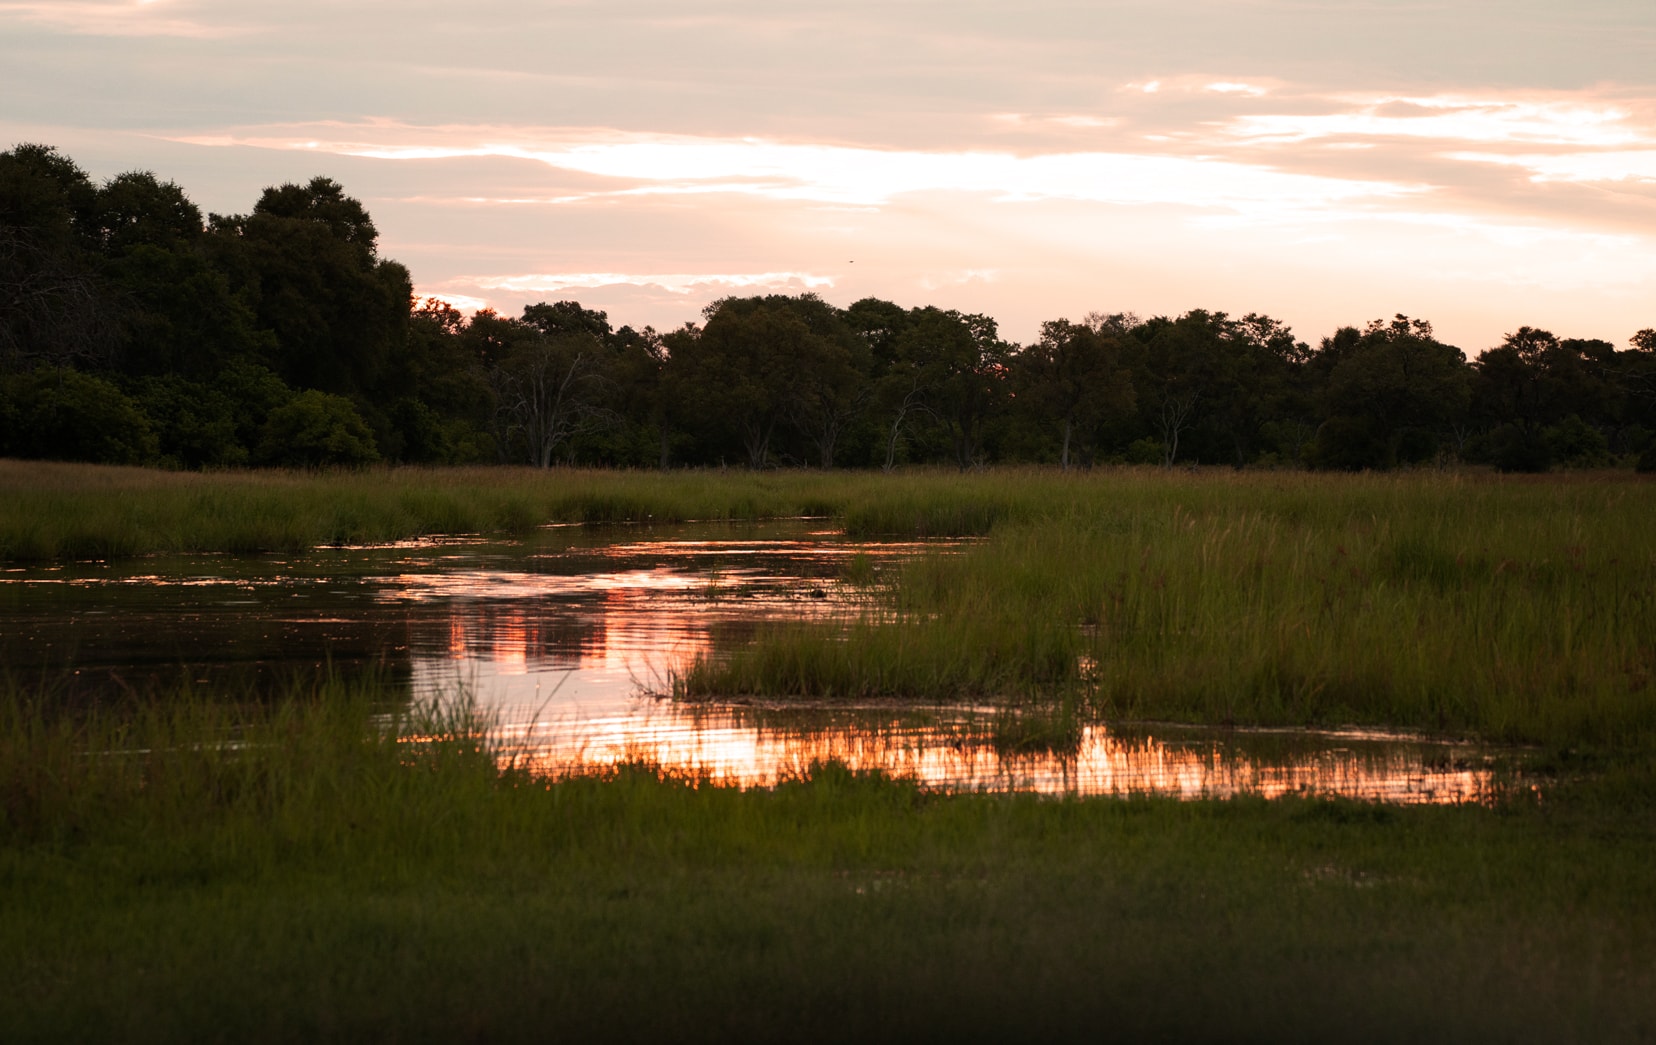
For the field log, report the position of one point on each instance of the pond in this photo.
(567, 640)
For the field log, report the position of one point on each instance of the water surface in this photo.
(567, 639)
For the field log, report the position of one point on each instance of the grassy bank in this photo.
(319, 881)
(1518, 611)
(56, 511)
(67, 511)
(77, 511)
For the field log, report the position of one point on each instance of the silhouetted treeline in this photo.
(133, 329)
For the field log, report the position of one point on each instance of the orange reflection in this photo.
(724, 749)
(511, 646)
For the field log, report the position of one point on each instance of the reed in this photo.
(73, 511)
(1518, 611)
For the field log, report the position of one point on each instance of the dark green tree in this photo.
(1392, 393)
(314, 429)
(55, 309)
(65, 415)
(963, 366)
(1072, 378)
(307, 255)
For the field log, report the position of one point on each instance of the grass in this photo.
(187, 865)
(318, 880)
(75, 511)
(1515, 611)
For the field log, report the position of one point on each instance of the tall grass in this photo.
(185, 868)
(1521, 611)
(1517, 609)
(58, 511)
(307, 766)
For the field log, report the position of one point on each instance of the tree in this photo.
(138, 209)
(1073, 377)
(1258, 380)
(307, 256)
(830, 386)
(965, 365)
(741, 369)
(55, 310)
(546, 389)
(1181, 360)
(1393, 390)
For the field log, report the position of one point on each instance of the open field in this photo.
(320, 881)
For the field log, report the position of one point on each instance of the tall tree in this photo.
(1072, 377)
(308, 255)
(55, 309)
(1391, 395)
(966, 364)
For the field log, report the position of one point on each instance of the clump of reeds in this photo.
(320, 758)
(1518, 611)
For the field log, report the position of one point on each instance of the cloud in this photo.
(1449, 118)
(112, 18)
(1610, 166)
(460, 302)
(663, 164)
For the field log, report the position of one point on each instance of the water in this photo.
(567, 640)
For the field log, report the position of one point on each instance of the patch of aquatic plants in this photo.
(315, 758)
(1517, 611)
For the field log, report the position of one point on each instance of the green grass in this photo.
(320, 881)
(315, 878)
(74, 511)
(1515, 611)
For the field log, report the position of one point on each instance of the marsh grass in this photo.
(1516, 611)
(336, 863)
(329, 866)
(1513, 609)
(73, 511)
(307, 763)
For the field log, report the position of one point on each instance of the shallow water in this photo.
(563, 639)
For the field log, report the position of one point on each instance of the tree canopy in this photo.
(135, 329)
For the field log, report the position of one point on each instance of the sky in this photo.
(1483, 164)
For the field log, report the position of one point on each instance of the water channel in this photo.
(568, 638)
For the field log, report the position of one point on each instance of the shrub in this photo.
(66, 415)
(316, 428)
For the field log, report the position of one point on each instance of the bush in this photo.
(1577, 444)
(1349, 444)
(1514, 449)
(1145, 451)
(66, 415)
(196, 425)
(316, 428)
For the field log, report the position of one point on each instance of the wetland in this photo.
(1185, 755)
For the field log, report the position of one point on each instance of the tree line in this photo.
(133, 329)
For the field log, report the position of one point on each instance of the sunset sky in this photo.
(1480, 163)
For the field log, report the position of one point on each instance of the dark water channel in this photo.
(563, 638)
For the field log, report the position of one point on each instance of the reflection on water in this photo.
(958, 751)
(560, 637)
